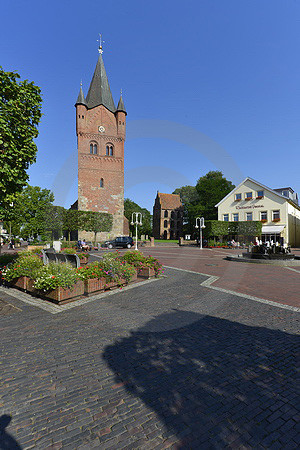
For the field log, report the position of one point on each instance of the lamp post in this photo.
(11, 205)
(136, 219)
(201, 225)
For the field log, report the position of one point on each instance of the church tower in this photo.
(101, 129)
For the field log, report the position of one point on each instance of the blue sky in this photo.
(208, 85)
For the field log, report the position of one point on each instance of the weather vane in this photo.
(100, 44)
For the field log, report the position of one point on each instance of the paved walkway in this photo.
(275, 283)
(169, 364)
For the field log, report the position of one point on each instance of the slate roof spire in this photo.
(80, 98)
(121, 106)
(99, 91)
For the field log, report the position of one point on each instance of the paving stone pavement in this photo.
(170, 364)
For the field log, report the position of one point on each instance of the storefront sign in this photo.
(249, 207)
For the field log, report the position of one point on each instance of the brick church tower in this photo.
(100, 129)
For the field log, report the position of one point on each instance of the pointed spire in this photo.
(121, 106)
(80, 98)
(99, 91)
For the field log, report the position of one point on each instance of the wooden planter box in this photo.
(134, 278)
(60, 295)
(30, 284)
(20, 283)
(94, 285)
(110, 285)
(146, 272)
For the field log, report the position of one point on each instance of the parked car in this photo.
(120, 241)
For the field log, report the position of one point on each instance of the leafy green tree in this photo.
(211, 188)
(129, 208)
(200, 200)
(95, 222)
(20, 113)
(30, 212)
(55, 221)
(71, 221)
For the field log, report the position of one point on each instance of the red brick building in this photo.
(167, 216)
(101, 129)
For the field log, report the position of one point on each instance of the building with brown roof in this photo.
(167, 216)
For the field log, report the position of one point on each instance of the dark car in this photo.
(121, 241)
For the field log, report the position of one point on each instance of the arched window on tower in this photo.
(93, 148)
(166, 213)
(109, 150)
(165, 224)
(101, 182)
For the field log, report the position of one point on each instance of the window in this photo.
(109, 150)
(238, 197)
(93, 149)
(235, 217)
(264, 216)
(166, 213)
(276, 215)
(260, 194)
(285, 193)
(101, 182)
(172, 224)
(249, 216)
(248, 196)
(79, 116)
(173, 215)
(165, 224)
(225, 217)
(83, 117)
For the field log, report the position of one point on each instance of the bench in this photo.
(73, 260)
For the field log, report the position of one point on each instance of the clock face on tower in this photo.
(101, 129)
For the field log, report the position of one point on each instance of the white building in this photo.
(277, 209)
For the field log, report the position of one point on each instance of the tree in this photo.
(200, 200)
(29, 215)
(95, 221)
(20, 113)
(55, 221)
(211, 188)
(71, 221)
(129, 208)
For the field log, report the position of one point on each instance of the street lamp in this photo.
(201, 225)
(136, 219)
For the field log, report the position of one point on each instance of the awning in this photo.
(272, 229)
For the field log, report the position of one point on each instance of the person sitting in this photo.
(85, 247)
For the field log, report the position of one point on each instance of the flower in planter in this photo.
(26, 265)
(55, 275)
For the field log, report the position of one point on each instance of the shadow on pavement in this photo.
(211, 382)
(7, 442)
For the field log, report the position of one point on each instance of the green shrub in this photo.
(139, 261)
(109, 268)
(7, 258)
(55, 275)
(24, 265)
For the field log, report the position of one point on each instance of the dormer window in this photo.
(260, 194)
(285, 193)
(248, 196)
(238, 197)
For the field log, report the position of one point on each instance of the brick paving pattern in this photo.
(275, 283)
(171, 364)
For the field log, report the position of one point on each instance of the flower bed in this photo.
(60, 283)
